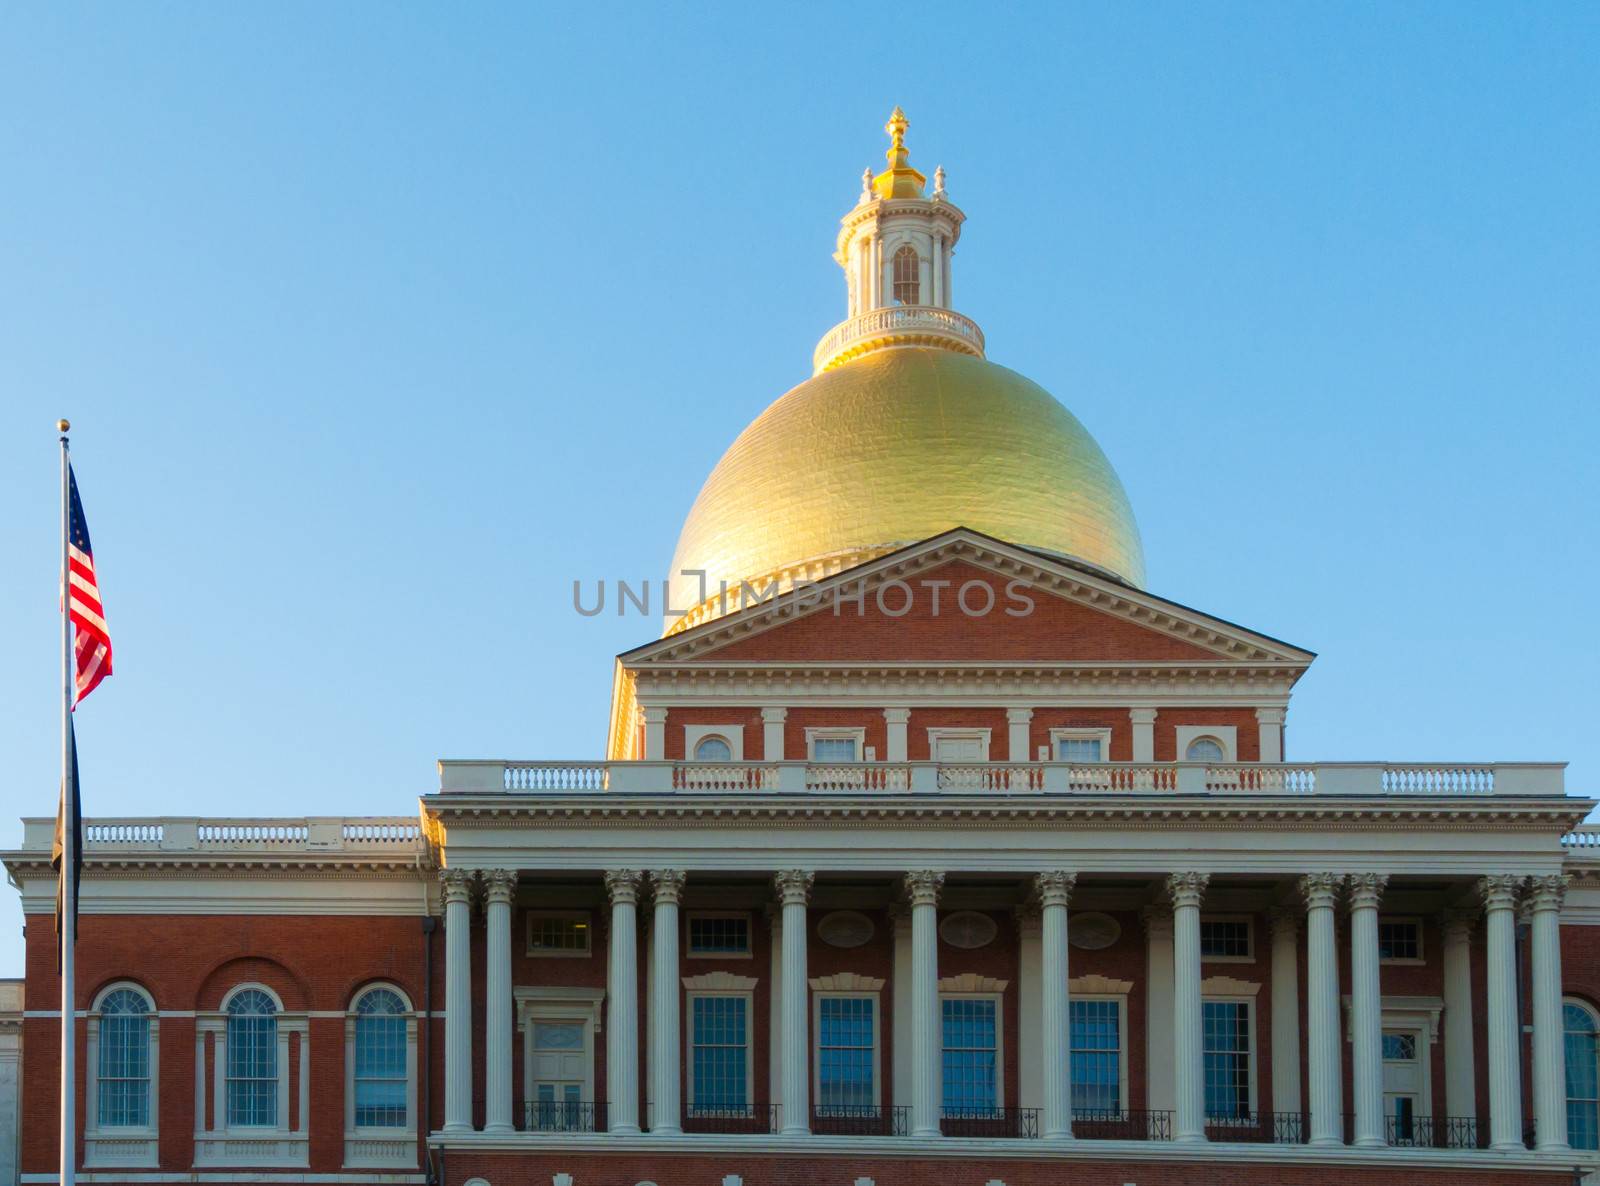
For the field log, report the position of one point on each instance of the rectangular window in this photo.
(1079, 749)
(1226, 1026)
(846, 1054)
(833, 749)
(1399, 1047)
(720, 1065)
(252, 1071)
(719, 934)
(971, 1056)
(124, 1072)
(557, 932)
(1225, 939)
(1400, 940)
(380, 1071)
(1096, 1055)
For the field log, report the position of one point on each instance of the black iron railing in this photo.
(1260, 1128)
(563, 1116)
(1112, 1124)
(733, 1118)
(990, 1122)
(1432, 1132)
(859, 1120)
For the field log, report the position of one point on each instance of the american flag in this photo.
(91, 640)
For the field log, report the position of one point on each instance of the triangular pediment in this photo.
(963, 597)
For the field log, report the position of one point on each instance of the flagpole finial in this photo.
(63, 424)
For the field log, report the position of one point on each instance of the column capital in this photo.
(1285, 920)
(1186, 889)
(457, 883)
(923, 886)
(793, 886)
(1142, 716)
(1320, 889)
(896, 716)
(653, 714)
(1548, 892)
(1366, 890)
(1499, 891)
(667, 885)
(1018, 716)
(1055, 887)
(500, 885)
(774, 716)
(622, 886)
(1271, 716)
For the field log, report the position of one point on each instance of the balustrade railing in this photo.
(1582, 838)
(860, 1120)
(756, 1118)
(922, 322)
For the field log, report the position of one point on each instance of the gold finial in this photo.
(63, 425)
(899, 180)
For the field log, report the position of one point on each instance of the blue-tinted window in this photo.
(845, 1040)
(721, 1053)
(1226, 1026)
(971, 1056)
(1096, 1056)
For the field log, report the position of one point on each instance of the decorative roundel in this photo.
(1093, 931)
(845, 928)
(968, 928)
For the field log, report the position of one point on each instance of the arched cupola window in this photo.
(907, 277)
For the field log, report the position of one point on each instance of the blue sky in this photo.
(381, 324)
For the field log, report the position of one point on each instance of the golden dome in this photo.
(889, 449)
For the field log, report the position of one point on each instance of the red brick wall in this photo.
(801, 719)
(1055, 629)
(1243, 719)
(748, 718)
(923, 719)
(1115, 719)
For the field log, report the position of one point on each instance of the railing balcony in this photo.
(377, 836)
(563, 1116)
(1277, 779)
(754, 1118)
(990, 1122)
(1112, 1124)
(860, 1120)
(897, 325)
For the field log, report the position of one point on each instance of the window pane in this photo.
(1096, 1055)
(558, 932)
(971, 1059)
(252, 1065)
(844, 1052)
(719, 936)
(380, 1070)
(124, 1060)
(1399, 1047)
(1078, 749)
(713, 749)
(833, 749)
(1204, 749)
(907, 274)
(1583, 1078)
(1219, 937)
(1226, 1027)
(558, 1035)
(1399, 940)
(720, 1053)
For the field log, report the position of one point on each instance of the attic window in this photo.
(1204, 749)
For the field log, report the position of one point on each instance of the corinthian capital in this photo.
(500, 885)
(1054, 888)
(793, 886)
(623, 886)
(1366, 890)
(923, 886)
(457, 884)
(1547, 892)
(1499, 892)
(1186, 889)
(668, 886)
(1320, 889)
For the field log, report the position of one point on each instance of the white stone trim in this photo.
(1096, 985)
(1226, 736)
(733, 734)
(726, 982)
(938, 733)
(971, 984)
(1058, 735)
(379, 1148)
(534, 1004)
(122, 1146)
(814, 733)
(847, 982)
(223, 1146)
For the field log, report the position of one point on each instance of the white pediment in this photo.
(847, 982)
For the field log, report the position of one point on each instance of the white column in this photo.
(622, 992)
(895, 720)
(1286, 1011)
(1505, 1073)
(772, 720)
(1270, 722)
(1366, 1009)
(457, 885)
(1322, 1010)
(1460, 1070)
(655, 733)
(1054, 890)
(1030, 1007)
(1017, 721)
(773, 916)
(794, 891)
(938, 272)
(665, 1021)
(1549, 1056)
(922, 888)
(501, 888)
(900, 924)
(1144, 734)
(1188, 1039)
(1160, 1082)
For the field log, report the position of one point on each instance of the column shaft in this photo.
(1188, 1038)
(501, 885)
(1460, 1069)
(794, 889)
(927, 1049)
(1054, 889)
(1322, 1010)
(1549, 1055)
(1286, 1097)
(457, 1001)
(1505, 1074)
(665, 1017)
(622, 993)
(1366, 1009)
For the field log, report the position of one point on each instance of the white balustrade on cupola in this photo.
(895, 247)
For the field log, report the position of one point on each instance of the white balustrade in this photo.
(914, 322)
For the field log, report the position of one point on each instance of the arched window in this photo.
(1204, 749)
(123, 1060)
(252, 1060)
(907, 277)
(1583, 1074)
(713, 749)
(381, 1074)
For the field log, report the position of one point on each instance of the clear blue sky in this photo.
(380, 324)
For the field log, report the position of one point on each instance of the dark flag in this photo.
(69, 814)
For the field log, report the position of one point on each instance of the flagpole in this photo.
(69, 840)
